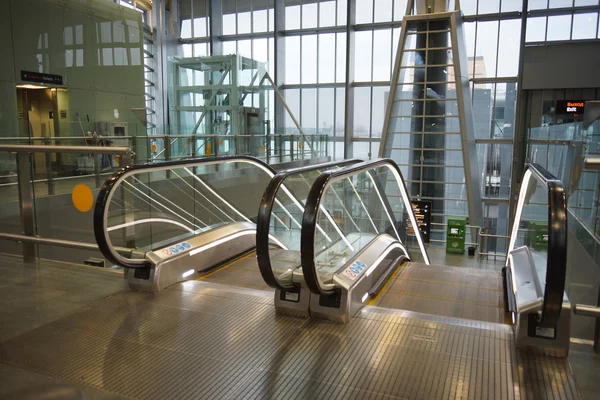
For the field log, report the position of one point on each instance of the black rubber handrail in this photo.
(264, 218)
(311, 209)
(556, 267)
(100, 231)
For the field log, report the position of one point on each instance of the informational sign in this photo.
(570, 107)
(355, 269)
(41, 78)
(173, 249)
(422, 210)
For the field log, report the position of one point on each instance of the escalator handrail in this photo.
(100, 208)
(311, 211)
(264, 218)
(556, 267)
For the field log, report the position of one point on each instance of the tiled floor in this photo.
(34, 295)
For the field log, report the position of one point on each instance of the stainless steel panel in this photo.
(527, 288)
(203, 252)
(373, 261)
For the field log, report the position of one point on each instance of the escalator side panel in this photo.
(356, 279)
(185, 260)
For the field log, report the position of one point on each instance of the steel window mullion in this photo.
(497, 51)
(252, 19)
(572, 21)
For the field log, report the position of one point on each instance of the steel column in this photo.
(216, 27)
(279, 69)
(520, 139)
(349, 95)
(26, 204)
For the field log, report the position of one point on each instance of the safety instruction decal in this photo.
(174, 249)
(355, 269)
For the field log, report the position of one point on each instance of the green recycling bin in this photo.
(456, 235)
(537, 235)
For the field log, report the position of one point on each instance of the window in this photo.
(559, 27)
(363, 48)
(584, 26)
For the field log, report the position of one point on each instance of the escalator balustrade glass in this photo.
(280, 218)
(356, 207)
(148, 207)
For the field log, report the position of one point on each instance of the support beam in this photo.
(216, 27)
(279, 69)
(349, 100)
(520, 142)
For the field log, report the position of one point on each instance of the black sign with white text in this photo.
(422, 210)
(570, 107)
(41, 78)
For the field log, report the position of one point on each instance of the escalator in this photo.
(183, 218)
(195, 219)
(379, 260)
(336, 242)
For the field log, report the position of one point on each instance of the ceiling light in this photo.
(28, 86)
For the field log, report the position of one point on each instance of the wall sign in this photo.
(41, 78)
(570, 107)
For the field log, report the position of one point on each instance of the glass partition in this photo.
(149, 206)
(350, 208)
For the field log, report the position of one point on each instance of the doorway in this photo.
(38, 117)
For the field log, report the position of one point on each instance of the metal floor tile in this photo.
(204, 340)
(452, 291)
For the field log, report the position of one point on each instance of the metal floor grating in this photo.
(205, 340)
(451, 291)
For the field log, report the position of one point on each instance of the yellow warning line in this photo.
(491, 289)
(386, 284)
(203, 277)
(480, 303)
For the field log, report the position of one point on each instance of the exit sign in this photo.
(570, 107)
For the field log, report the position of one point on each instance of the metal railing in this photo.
(267, 147)
(25, 181)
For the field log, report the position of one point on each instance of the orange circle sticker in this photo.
(154, 148)
(185, 143)
(82, 197)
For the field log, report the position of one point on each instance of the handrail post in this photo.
(97, 162)
(49, 174)
(26, 204)
(280, 147)
(597, 328)
(126, 159)
(167, 146)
